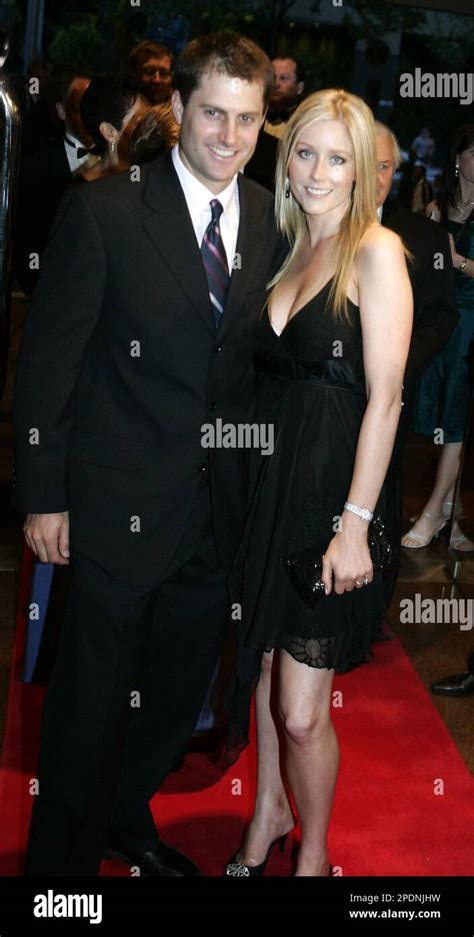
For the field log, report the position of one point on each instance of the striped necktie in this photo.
(215, 262)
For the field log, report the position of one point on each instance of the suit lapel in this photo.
(248, 253)
(170, 228)
(389, 210)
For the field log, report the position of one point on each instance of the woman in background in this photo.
(443, 392)
(156, 133)
(111, 107)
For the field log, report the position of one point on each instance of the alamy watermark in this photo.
(238, 436)
(420, 84)
(53, 905)
(438, 611)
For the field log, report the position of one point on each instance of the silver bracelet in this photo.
(364, 513)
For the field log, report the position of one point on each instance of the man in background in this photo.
(435, 312)
(150, 65)
(287, 94)
(46, 170)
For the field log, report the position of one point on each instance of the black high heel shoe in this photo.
(236, 870)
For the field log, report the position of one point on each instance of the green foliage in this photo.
(454, 48)
(261, 20)
(326, 53)
(373, 19)
(77, 48)
(205, 18)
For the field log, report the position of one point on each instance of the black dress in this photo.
(311, 387)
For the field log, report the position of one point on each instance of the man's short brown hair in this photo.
(147, 50)
(228, 54)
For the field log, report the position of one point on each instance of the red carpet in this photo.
(390, 816)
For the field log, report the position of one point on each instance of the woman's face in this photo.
(322, 168)
(466, 163)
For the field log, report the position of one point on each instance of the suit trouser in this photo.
(131, 675)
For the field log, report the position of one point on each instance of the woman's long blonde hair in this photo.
(331, 104)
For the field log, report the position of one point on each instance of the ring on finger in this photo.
(357, 583)
(366, 580)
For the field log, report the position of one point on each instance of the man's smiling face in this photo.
(220, 124)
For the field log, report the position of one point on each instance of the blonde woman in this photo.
(331, 350)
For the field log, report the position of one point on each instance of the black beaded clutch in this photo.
(306, 568)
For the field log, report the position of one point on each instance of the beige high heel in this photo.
(424, 541)
(459, 541)
(447, 510)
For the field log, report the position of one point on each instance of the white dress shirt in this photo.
(71, 148)
(198, 199)
(275, 130)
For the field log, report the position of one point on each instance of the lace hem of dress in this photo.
(321, 653)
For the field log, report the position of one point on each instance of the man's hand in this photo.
(48, 536)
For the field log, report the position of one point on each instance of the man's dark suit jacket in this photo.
(261, 168)
(435, 317)
(435, 307)
(44, 177)
(121, 365)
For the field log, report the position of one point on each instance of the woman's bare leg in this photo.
(312, 756)
(272, 816)
(446, 475)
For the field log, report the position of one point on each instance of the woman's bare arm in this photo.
(386, 313)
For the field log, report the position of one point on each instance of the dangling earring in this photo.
(112, 146)
(457, 171)
(287, 188)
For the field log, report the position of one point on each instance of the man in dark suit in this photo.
(435, 312)
(140, 333)
(46, 171)
(261, 168)
(287, 94)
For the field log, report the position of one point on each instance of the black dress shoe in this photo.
(162, 860)
(461, 684)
